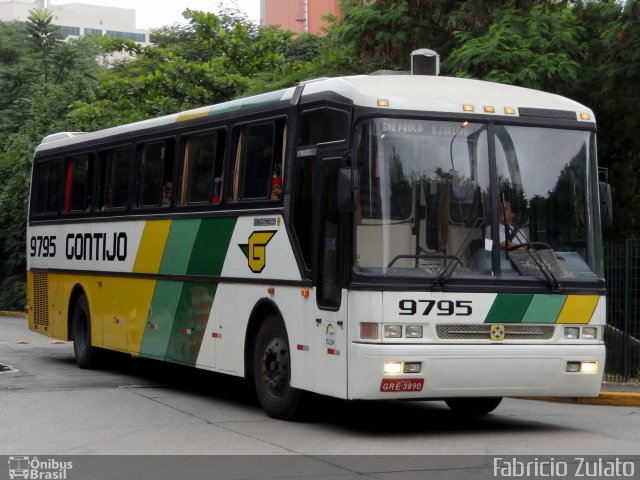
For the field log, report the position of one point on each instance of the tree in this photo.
(45, 34)
(615, 94)
(383, 33)
(217, 57)
(536, 50)
(32, 104)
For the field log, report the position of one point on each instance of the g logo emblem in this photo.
(256, 249)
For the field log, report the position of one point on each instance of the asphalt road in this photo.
(135, 406)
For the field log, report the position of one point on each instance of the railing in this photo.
(622, 334)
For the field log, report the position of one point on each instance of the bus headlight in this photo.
(413, 331)
(412, 367)
(571, 333)
(582, 367)
(589, 333)
(392, 367)
(392, 331)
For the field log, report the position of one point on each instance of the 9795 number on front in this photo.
(443, 308)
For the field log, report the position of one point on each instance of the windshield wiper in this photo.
(554, 285)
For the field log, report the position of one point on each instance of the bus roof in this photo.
(443, 94)
(400, 92)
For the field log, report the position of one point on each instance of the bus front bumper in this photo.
(492, 370)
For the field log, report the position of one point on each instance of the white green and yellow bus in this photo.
(346, 237)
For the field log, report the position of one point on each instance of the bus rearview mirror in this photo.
(606, 204)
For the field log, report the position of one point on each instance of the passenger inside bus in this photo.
(167, 194)
(276, 188)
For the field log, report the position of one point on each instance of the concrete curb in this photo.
(5, 313)
(620, 399)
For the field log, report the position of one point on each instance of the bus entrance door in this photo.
(330, 333)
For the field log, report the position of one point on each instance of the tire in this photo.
(87, 356)
(272, 370)
(473, 406)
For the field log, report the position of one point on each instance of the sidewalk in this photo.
(621, 394)
(617, 394)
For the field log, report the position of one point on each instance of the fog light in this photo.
(573, 367)
(589, 367)
(392, 331)
(413, 367)
(589, 333)
(571, 333)
(413, 331)
(393, 367)
(369, 331)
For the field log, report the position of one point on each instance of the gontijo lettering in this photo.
(97, 246)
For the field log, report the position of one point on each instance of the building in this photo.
(77, 19)
(297, 15)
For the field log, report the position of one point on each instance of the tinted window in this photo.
(115, 175)
(156, 173)
(303, 204)
(323, 125)
(78, 183)
(256, 160)
(259, 161)
(46, 186)
(204, 155)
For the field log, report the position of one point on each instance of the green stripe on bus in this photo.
(190, 322)
(177, 253)
(544, 309)
(508, 308)
(211, 245)
(157, 332)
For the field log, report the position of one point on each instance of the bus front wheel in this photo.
(87, 356)
(272, 370)
(473, 406)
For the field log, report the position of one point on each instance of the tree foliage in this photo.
(40, 78)
(215, 58)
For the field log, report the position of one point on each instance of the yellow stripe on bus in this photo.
(195, 113)
(154, 239)
(578, 309)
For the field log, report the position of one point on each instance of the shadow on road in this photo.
(366, 417)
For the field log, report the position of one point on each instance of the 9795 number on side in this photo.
(445, 308)
(42, 246)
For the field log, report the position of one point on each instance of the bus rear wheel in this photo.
(272, 370)
(473, 406)
(87, 356)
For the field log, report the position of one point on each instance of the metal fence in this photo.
(622, 333)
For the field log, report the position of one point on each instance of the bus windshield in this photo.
(425, 205)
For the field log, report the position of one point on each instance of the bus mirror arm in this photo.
(606, 204)
(348, 185)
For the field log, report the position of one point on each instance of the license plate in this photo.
(402, 385)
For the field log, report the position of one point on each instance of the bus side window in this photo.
(258, 160)
(322, 125)
(115, 173)
(156, 174)
(202, 172)
(46, 186)
(78, 183)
